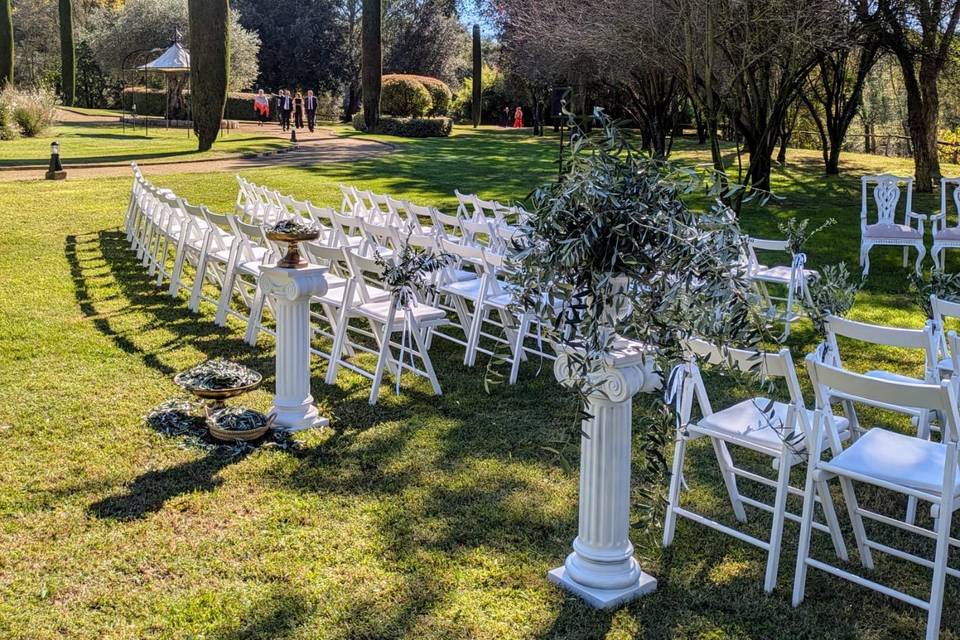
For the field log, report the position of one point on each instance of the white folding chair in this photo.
(214, 261)
(943, 311)
(793, 278)
(189, 244)
(779, 430)
(887, 459)
(386, 319)
(326, 319)
(350, 202)
(244, 278)
(886, 231)
(922, 340)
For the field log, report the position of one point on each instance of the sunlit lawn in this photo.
(423, 517)
(103, 142)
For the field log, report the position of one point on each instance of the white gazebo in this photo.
(174, 64)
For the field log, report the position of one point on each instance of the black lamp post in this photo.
(55, 172)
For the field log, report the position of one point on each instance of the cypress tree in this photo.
(371, 62)
(6, 43)
(477, 77)
(68, 58)
(209, 66)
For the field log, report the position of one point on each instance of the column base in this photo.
(603, 598)
(298, 418)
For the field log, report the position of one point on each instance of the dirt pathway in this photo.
(322, 146)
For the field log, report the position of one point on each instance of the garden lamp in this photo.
(55, 171)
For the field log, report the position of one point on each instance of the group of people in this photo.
(517, 117)
(287, 106)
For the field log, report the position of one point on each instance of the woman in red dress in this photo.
(518, 118)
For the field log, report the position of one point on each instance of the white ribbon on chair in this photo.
(673, 395)
(797, 275)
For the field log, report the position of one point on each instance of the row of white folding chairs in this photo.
(264, 205)
(471, 289)
(912, 465)
(222, 249)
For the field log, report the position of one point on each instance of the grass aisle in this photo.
(422, 517)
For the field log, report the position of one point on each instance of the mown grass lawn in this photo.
(422, 517)
(104, 142)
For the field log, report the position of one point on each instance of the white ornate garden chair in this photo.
(779, 430)
(888, 459)
(886, 231)
(946, 235)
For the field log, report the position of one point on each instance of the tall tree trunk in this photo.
(6, 43)
(371, 62)
(477, 78)
(209, 66)
(68, 57)
(923, 102)
(353, 100)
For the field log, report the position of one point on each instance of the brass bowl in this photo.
(217, 396)
(293, 259)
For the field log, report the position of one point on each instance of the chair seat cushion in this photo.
(748, 421)
(421, 312)
(469, 289)
(950, 234)
(779, 274)
(898, 458)
(892, 231)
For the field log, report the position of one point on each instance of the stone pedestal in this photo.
(601, 569)
(290, 291)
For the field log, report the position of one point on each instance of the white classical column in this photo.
(602, 569)
(291, 290)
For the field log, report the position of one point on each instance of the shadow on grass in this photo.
(150, 491)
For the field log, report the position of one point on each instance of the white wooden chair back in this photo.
(886, 193)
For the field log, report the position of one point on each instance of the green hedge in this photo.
(153, 102)
(404, 96)
(408, 127)
(439, 92)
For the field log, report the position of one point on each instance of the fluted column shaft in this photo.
(601, 569)
(290, 291)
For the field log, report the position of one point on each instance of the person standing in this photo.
(505, 116)
(518, 118)
(298, 111)
(261, 106)
(311, 110)
(286, 108)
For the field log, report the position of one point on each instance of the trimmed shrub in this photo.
(32, 110)
(440, 93)
(408, 127)
(404, 96)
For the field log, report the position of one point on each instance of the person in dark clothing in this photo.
(311, 105)
(298, 111)
(505, 119)
(286, 108)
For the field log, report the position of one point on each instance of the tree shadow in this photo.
(150, 491)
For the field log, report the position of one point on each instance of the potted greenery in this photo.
(620, 270)
(614, 250)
